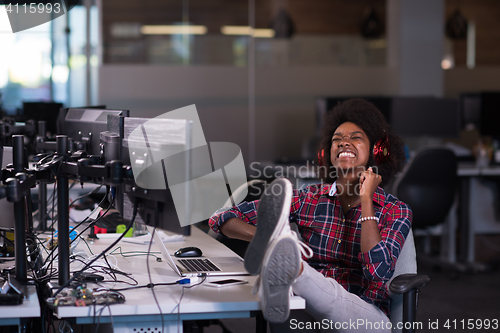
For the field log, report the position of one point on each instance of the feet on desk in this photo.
(280, 268)
(275, 251)
(272, 219)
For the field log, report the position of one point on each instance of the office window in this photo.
(46, 63)
(25, 64)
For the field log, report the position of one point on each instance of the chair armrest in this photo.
(405, 282)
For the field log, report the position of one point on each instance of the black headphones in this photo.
(382, 150)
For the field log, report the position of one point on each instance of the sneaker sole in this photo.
(277, 277)
(272, 208)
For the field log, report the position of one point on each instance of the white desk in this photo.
(11, 315)
(476, 207)
(140, 310)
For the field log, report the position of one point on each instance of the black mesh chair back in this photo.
(428, 185)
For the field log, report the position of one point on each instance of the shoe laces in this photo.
(304, 249)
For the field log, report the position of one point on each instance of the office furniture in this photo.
(177, 303)
(254, 189)
(404, 287)
(428, 185)
(12, 315)
(477, 202)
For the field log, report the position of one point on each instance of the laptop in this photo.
(191, 267)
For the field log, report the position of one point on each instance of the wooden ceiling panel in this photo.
(486, 16)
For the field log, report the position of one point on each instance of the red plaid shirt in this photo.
(335, 238)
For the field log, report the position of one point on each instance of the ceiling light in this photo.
(247, 31)
(263, 33)
(173, 29)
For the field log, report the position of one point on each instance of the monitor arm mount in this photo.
(9, 128)
(18, 182)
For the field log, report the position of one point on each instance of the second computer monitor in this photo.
(84, 126)
(155, 200)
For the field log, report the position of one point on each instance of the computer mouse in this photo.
(190, 251)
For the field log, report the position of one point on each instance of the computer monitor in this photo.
(425, 116)
(490, 114)
(6, 207)
(156, 206)
(47, 111)
(63, 111)
(470, 110)
(84, 126)
(482, 110)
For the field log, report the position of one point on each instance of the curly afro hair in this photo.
(365, 115)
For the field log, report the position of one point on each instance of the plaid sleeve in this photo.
(247, 211)
(380, 261)
(297, 201)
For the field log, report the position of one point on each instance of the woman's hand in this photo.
(368, 183)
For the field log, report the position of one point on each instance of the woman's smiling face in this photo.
(350, 147)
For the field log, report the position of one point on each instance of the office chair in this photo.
(428, 185)
(404, 288)
(255, 188)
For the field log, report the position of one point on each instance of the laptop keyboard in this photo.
(198, 265)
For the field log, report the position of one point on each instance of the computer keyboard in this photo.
(198, 265)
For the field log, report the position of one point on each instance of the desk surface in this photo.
(12, 314)
(470, 169)
(197, 302)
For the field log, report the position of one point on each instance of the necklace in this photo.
(348, 204)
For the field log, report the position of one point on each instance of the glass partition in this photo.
(287, 33)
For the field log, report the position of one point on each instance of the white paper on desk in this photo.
(79, 215)
(458, 149)
(146, 239)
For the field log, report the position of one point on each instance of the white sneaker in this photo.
(280, 268)
(272, 220)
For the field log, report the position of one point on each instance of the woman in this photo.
(354, 229)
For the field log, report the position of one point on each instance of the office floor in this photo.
(470, 296)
